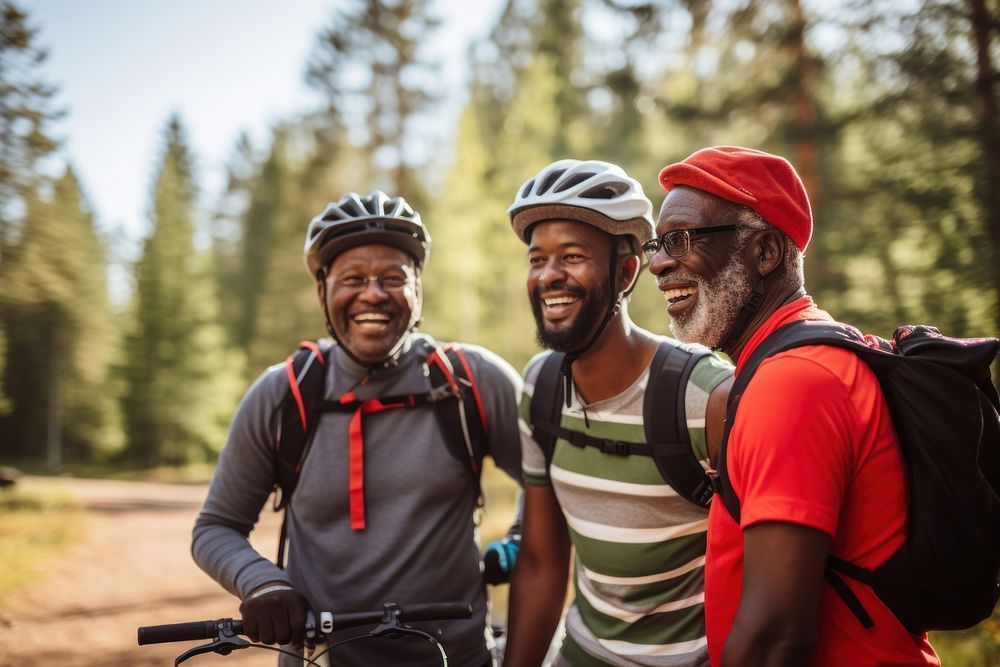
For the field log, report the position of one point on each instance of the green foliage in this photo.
(25, 114)
(60, 331)
(181, 376)
(370, 64)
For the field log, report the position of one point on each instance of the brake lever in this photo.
(225, 642)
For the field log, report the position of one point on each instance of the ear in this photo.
(628, 271)
(767, 251)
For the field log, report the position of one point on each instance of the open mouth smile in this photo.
(373, 321)
(557, 307)
(679, 298)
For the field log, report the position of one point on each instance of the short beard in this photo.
(593, 307)
(720, 301)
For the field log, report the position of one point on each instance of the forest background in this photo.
(889, 111)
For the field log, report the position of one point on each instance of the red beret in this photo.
(766, 183)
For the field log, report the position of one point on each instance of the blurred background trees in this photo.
(888, 110)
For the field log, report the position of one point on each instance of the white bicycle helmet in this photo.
(356, 220)
(591, 191)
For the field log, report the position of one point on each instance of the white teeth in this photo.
(560, 300)
(371, 317)
(678, 293)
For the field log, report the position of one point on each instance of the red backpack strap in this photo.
(297, 418)
(454, 351)
(459, 407)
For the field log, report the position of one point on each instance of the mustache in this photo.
(558, 286)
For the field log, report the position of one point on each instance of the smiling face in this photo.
(706, 288)
(373, 299)
(569, 264)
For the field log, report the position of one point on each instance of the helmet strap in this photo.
(747, 313)
(566, 368)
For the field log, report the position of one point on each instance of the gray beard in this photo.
(719, 303)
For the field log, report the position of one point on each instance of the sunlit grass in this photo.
(34, 529)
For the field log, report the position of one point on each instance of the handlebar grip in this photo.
(435, 611)
(179, 632)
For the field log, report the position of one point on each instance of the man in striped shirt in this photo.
(639, 546)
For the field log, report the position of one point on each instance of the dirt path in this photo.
(132, 568)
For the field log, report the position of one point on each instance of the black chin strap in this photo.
(566, 368)
(746, 314)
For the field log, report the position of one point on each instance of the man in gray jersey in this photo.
(639, 546)
(381, 513)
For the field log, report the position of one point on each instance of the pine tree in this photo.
(370, 65)
(25, 114)
(61, 333)
(181, 378)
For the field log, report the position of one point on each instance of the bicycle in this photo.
(390, 622)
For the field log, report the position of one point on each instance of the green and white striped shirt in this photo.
(640, 548)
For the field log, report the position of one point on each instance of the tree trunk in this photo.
(804, 107)
(989, 136)
(53, 418)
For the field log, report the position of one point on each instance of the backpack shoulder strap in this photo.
(463, 419)
(305, 371)
(794, 334)
(545, 412)
(665, 421)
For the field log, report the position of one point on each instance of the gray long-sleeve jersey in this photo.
(419, 544)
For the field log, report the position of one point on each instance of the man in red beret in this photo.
(812, 454)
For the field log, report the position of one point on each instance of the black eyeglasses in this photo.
(678, 242)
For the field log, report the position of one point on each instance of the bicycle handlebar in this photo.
(329, 621)
(182, 632)
(431, 611)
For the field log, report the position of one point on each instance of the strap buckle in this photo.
(441, 393)
(616, 447)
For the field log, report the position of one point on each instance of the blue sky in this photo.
(225, 66)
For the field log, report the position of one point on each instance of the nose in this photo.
(661, 262)
(551, 273)
(373, 292)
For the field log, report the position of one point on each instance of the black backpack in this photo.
(946, 575)
(664, 420)
(453, 394)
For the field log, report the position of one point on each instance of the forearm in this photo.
(537, 597)
(225, 554)
(768, 644)
(538, 585)
(776, 624)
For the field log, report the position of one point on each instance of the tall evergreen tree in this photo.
(370, 64)
(61, 334)
(25, 114)
(917, 161)
(181, 378)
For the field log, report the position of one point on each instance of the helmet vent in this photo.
(526, 190)
(606, 191)
(353, 209)
(575, 179)
(549, 180)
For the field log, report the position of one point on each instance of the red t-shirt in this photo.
(813, 444)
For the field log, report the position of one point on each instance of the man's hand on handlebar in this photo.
(275, 613)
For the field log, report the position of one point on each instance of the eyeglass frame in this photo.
(653, 245)
(338, 282)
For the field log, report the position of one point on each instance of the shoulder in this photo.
(265, 394)
(709, 371)
(813, 380)
(487, 367)
(533, 368)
